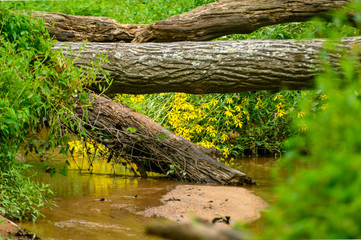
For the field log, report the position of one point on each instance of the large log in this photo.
(194, 231)
(66, 27)
(206, 67)
(233, 16)
(135, 137)
(203, 23)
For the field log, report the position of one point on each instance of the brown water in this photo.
(80, 215)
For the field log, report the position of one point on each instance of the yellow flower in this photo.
(229, 101)
(238, 108)
(229, 111)
(281, 112)
(206, 144)
(198, 128)
(209, 129)
(227, 122)
(324, 97)
(213, 102)
(205, 105)
(279, 106)
(303, 128)
(225, 152)
(300, 114)
(212, 119)
(238, 124)
(259, 102)
(278, 96)
(224, 137)
(324, 106)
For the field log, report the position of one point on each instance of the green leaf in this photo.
(131, 129)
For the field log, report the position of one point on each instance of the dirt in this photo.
(208, 203)
(7, 228)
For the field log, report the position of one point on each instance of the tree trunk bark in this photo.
(206, 67)
(230, 16)
(203, 23)
(66, 27)
(138, 139)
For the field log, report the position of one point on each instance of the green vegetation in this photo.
(245, 124)
(249, 123)
(35, 91)
(320, 200)
(126, 11)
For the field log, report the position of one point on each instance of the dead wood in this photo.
(232, 16)
(206, 67)
(66, 27)
(203, 23)
(138, 139)
(195, 231)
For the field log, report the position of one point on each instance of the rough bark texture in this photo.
(230, 16)
(203, 23)
(206, 67)
(136, 138)
(95, 29)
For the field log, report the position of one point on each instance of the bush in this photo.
(320, 198)
(36, 86)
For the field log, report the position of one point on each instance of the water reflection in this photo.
(80, 214)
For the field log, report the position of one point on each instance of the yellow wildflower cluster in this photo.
(259, 102)
(280, 110)
(183, 114)
(135, 99)
(301, 114)
(230, 122)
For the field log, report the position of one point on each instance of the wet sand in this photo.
(207, 203)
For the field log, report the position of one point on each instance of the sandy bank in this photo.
(207, 203)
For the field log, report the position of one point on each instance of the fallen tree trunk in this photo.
(232, 16)
(138, 139)
(206, 67)
(206, 22)
(194, 231)
(66, 27)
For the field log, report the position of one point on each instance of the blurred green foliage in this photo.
(320, 198)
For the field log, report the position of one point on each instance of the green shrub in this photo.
(248, 123)
(320, 199)
(36, 87)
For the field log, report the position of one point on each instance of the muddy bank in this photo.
(8, 229)
(207, 203)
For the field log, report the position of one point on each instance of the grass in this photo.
(126, 11)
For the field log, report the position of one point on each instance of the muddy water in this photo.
(80, 213)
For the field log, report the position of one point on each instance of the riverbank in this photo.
(208, 203)
(9, 229)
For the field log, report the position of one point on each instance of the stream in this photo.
(102, 206)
